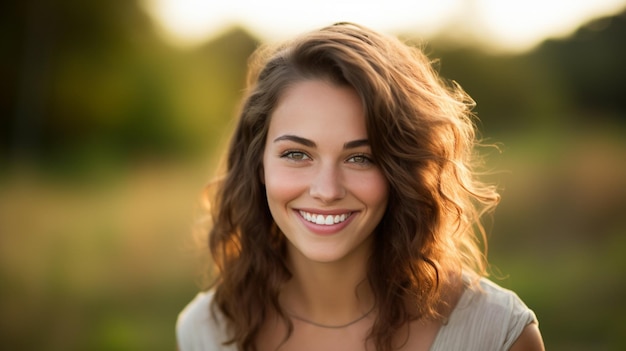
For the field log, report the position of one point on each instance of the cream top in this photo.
(484, 319)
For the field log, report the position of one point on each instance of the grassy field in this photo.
(106, 262)
(102, 266)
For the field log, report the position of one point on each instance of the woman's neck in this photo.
(328, 293)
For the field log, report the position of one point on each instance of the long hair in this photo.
(422, 136)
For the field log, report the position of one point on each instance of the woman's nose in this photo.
(327, 185)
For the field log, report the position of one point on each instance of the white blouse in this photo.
(484, 319)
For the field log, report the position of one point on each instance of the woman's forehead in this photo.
(316, 106)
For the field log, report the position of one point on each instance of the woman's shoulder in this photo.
(488, 294)
(486, 317)
(200, 326)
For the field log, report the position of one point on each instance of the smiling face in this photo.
(323, 187)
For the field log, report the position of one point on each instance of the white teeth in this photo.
(324, 220)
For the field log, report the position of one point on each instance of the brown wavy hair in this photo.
(422, 136)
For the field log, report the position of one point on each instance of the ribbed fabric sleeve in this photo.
(197, 329)
(486, 318)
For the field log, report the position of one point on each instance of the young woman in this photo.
(348, 215)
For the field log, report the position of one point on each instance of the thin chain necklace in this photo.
(332, 326)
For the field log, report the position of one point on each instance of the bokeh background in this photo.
(109, 129)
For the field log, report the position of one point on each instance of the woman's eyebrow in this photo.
(296, 139)
(356, 143)
(310, 143)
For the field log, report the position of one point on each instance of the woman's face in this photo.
(324, 190)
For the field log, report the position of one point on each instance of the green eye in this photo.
(295, 155)
(360, 159)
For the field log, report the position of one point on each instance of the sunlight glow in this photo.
(509, 25)
(523, 23)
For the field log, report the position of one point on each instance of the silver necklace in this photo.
(331, 326)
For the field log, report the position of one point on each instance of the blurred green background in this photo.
(108, 135)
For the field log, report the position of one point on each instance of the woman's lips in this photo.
(324, 222)
(323, 219)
